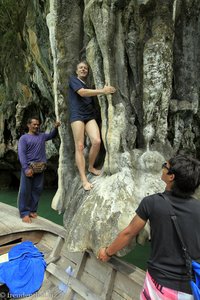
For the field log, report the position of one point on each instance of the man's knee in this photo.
(96, 142)
(79, 147)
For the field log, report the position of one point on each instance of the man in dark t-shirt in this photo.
(81, 108)
(167, 276)
(82, 118)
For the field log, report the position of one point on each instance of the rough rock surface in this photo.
(147, 49)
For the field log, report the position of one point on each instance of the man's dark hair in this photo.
(187, 175)
(33, 118)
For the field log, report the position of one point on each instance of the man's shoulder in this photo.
(73, 78)
(151, 200)
(152, 197)
(75, 81)
(195, 200)
(27, 136)
(23, 137)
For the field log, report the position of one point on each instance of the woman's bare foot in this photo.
(33, 215)
(87, 186)
(94, 171)
(26, 219)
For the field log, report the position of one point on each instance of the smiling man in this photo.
(31, 150)
(82, 119)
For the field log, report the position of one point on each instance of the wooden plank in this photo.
(18, 226)
(128, 281)
(95, 273)
(11, 240)
(65, 262)
(58, 246)
(72, 282)
(46, 292)
(77, 297)
(92, 282)
(34, 236)
(72, 259)
(48, 240)
(96, 268)
(77, 273)
(53, 280)
(131, 271)
(75, 257)
(45, 250)
(116, 296)
(55, 254)
(108, 285)
(126, 287)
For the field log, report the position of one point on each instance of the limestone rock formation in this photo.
(148, 50)
(26, 83)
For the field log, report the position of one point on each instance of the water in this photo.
(137, 257)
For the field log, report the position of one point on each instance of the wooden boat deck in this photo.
(15, 224)
(91, 279)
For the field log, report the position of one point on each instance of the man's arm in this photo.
(53, 133)
(123, 239)
(94, 92)
(23, 157)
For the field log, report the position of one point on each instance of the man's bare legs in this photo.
(78, 129)
(92, 130)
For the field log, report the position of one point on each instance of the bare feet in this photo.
(33, 215)
(94, 171)
(26, 219)
(87, 186)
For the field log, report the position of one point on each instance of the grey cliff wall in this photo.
(147, 49)
(26, 83)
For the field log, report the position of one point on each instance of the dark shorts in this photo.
(82, 120)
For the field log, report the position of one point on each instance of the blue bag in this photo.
(195, 285)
